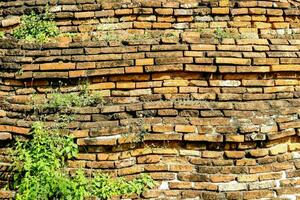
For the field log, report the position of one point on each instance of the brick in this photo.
(181, 168)
(162, 68)
(258, 82)
(211, 154)
(200, 68)
(221, 178)
(239, 11)
(276, 68)
(234, 138)
(245, 162)
(14, 129)
(234, 154)
(270, 176)
(10, 21)
(125, 85)
(253, 69)
(171, 83)
(278, 149)
(140, 92)
(210, 121)
(235, 61)
(84, 14)
(166, 90)
(100, 164)
(130, 170)
(203, 47)
(5, 136)
(30, 67)
(252, 41)
(287, 125)
(148, 61)
(265, 61)
(224, 187)
(156, 167)
(205, 186)
(123, 11)
(208, 137)
(183, 12)
(262, 25)
(180, 185)
(162, 176)
(162, 128)
(86, 156)
(7, 194)
(142, 24)
(80, 133)
(262, 185)
(179, 60)
(185, 129)
(149, 159)
(97, 141)
(247, 178)
(225, 83)
(164, 11)
(191, 176)
(102, 86)
(258, 194)
(220, 11)
(279, 89)
(57, 66)
(162, 137)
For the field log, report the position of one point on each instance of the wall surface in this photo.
(208, 113)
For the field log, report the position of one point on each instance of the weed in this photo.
(221, 33)
(2, 35)
(37, 27)
(39, 166)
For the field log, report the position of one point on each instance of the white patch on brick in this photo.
(164, 186)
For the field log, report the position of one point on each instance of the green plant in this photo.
(105, 187)
(58, 101)
(20, 72)
(109, 37)
(40, 171)
(39, 166)
(2, 34)
(221, 33)
(37, 27)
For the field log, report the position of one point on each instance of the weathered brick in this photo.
(185, 128)
(278, 149)
(276, 68)
(236, 61)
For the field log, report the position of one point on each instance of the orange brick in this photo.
(125, 85)
(235, 61)
(166, 90)
(220, 11)
(149, 159)
(134, 70)
(185, 128)
(235, 154)
(57, 66)
(14, 129)
(146, 61)
(102, 86)
(221, 178)
(163, 128)
(283, 68)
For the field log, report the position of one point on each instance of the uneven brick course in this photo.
(209, 114)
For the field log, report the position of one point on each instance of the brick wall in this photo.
(207, 116)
